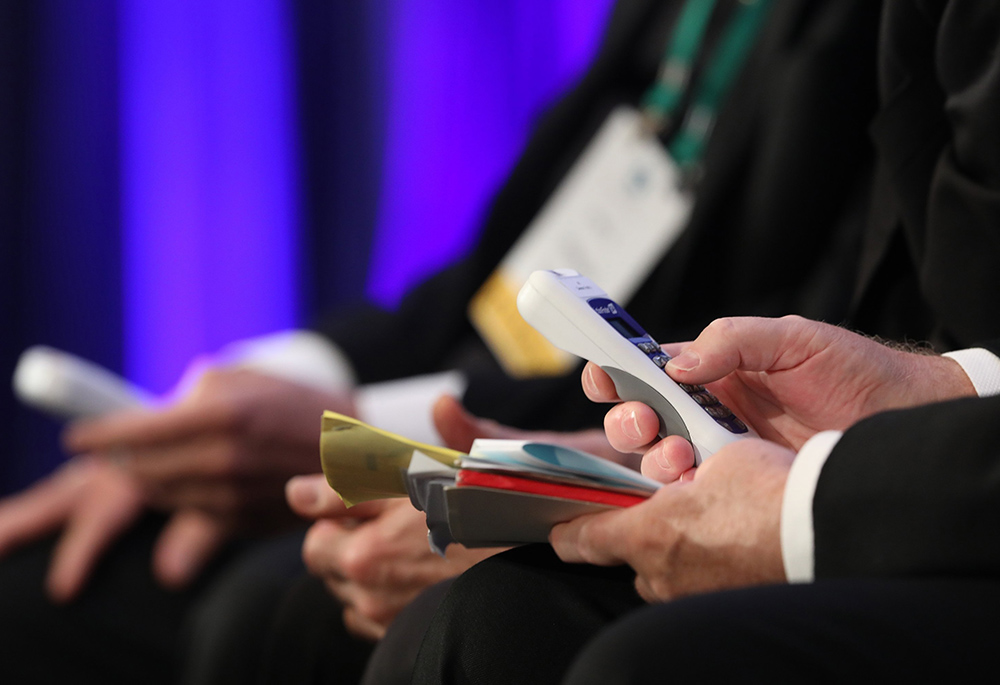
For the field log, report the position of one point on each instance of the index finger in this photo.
(748, 344)
(311, 497)
(146, 427)
(592, 538)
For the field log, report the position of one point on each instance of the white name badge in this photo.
(612, 219)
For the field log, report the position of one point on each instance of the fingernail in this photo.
(685, 361)
(630, 426)
(590, 383)
(661, 460)
(302, 493)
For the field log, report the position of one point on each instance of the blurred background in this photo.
(178, 174)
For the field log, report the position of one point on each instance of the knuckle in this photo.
(214, 395)
(359, 560)
(722, 326)
(591, 538)
(211, 385)
(210, 379)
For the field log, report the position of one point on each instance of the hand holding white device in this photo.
(69, 387)
(575, 315)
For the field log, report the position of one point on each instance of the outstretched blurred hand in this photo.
(216, 460)
(226, 448)
(90, 500)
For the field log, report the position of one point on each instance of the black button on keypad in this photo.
(737, 426)
(718, 411)
(705, 399)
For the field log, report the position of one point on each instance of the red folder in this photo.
(497, 481)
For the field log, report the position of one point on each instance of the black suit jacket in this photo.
(913, 493)
(918, 492)
(931, 264)
(780, 201)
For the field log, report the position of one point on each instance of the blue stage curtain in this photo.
(463, 84)
(59, 227)
(175, 174)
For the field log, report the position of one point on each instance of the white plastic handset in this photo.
(574, 314)
(69, 387)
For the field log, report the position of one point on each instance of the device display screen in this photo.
(623, 327)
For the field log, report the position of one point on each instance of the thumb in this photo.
(311, 497)
(188, 541)
(744, 343)
(458, 428)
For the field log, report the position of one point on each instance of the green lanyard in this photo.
(661, 101)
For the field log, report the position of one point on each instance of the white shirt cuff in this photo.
(982, 367)
(404, 406)
(303, 357)
(797, 538)
(400, 406)
(797, 533)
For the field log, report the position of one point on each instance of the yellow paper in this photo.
(363, 463)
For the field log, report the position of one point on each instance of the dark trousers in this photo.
(126, 628)
(253, 617)
(312, 647)
(525, 617)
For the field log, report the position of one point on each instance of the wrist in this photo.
(943, 378)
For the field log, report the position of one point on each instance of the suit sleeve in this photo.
(964, 204)
(913, 493)
(939, 152)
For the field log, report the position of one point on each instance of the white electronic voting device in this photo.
(575, 315)
(69, 387)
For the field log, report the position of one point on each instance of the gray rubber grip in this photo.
(631, 388)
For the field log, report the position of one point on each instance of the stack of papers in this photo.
(504, 492)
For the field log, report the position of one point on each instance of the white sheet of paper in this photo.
(614, 216)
